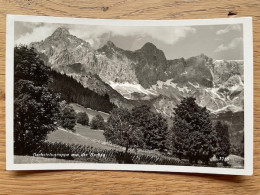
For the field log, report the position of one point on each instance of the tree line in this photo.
(192, 135)
(73, 91)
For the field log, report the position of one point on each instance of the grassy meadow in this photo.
(94, 140)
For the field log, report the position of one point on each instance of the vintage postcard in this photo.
(139, 95)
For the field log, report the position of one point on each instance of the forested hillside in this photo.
(73, 92)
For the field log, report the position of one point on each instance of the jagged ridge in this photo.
(220, 83)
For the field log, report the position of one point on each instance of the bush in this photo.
(82, 118)
(67, 117)
(97, 122)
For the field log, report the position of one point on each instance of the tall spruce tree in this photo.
(223, 148)
(193, 135)
(35, 106)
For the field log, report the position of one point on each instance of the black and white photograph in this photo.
(143, 95)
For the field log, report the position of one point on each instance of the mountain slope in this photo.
(96, 84)
(73, 92)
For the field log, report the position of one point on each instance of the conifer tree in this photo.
(223, 148)
(193, 135)
(73, 91)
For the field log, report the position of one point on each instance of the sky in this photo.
(220, 42)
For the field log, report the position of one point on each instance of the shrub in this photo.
(82, 118)
(97, 122)
(67, 117)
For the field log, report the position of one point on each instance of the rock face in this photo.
(62, 48)
(145, 75)
(223, 70)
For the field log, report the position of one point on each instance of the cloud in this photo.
(232, 27)
(37, 33)
(96, 35)
(168, 35)
(233, 44)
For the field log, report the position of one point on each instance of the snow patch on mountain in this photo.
(184, 73)
(170, 83)
(227, 108)
(126, 89)
(160, 84)
(197, 86)
(184, 89)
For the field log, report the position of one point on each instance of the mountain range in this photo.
(145, 76)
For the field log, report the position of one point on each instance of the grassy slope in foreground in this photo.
(84, 135)
(92, 138)
(32, 160)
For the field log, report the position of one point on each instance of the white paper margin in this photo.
(248, 95)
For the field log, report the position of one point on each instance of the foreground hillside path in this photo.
(120, 182)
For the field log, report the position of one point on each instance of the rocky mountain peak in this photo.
(153, 55)
(151, 52)
(110, 44)
(149, 46)
(109, 49)
(61, 31)
(206, 58)
(202, 55)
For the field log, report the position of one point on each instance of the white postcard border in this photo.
(248, 95)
